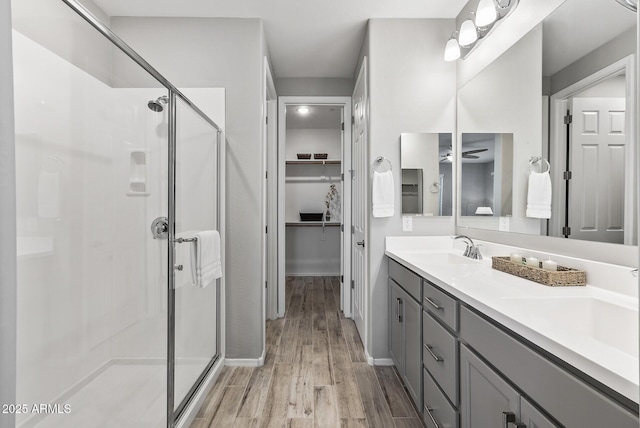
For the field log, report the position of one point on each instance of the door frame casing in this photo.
(269, 191)
(345, 104)
(559, 104)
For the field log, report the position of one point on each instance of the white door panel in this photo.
(597, 156)
(359, 180)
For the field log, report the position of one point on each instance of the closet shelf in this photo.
(311, 223)
(313, 162)
(325, 179)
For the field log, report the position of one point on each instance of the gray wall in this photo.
(411, 89)
(59, 29)
(618, 48)
(310, 86)
(8, 292)
(227, 53)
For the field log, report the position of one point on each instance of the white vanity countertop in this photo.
(591, 328)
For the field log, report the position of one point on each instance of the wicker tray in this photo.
(564, 276)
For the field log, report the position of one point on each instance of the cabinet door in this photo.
(413, 348)
(484, 394)
(396, 333)
(532, 418)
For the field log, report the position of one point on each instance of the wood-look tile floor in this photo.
(315, 373)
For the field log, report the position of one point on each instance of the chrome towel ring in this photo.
(537, 159)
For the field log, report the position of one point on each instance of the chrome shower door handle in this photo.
(160, 228)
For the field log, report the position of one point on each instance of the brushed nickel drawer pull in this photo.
(432, 303)
(429, 410)
(429, 350)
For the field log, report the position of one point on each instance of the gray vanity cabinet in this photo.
(396, 345)
(484, 395)
(487, 400)
(472, 370)
(405, 338)
(532, 417)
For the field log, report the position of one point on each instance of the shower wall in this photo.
(88, 272)
(91, 176)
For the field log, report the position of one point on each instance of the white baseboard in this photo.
(381, 362)
(312, 274)
(377, 361)
(246, 362)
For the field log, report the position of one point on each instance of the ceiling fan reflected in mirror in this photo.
(469, 154)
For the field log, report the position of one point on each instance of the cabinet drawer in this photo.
(563, 395)
(441, 305)
(436, 409)
(408, 280)
(440, 355)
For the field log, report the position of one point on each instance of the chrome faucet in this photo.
(472, 251)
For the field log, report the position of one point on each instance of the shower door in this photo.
(195, 340)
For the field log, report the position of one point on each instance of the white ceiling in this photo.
(319, 117)
(306, 38)
(578, 27)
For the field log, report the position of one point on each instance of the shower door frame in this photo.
(172, 416)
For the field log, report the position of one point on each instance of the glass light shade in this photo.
(452, 50)
(486, 13)
(468, 33)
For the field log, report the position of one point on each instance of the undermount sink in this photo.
(442, 258)
(605, 322)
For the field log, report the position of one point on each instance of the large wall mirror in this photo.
(426, 162)
(579, 63)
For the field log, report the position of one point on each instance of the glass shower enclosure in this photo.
(116, 172)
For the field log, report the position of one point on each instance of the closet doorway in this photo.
(314, 201)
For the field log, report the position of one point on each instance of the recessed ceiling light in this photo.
(303, 110)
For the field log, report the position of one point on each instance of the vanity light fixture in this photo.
(468, 34)
(303, 110)
(452, 49)
(487, 15)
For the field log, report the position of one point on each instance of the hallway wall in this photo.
(411, 89)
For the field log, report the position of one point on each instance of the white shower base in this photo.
(123, 396)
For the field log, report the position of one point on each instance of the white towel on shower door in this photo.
(539, 195)
(382, 197)
(206, 260)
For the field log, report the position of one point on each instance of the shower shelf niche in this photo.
(138, 160)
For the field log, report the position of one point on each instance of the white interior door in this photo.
(359, 180)
(597, 157)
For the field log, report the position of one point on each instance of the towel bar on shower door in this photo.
(181, 240)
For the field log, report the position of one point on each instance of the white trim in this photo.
(269, 210)
(197, 401)
(345, 103)
(558, 106)
(247, 362)
(299, 275)
(377, 361)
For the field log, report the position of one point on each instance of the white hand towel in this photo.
(539, 195)
(183, 256)
(206, 261)
(382, 196)
(49, 195)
